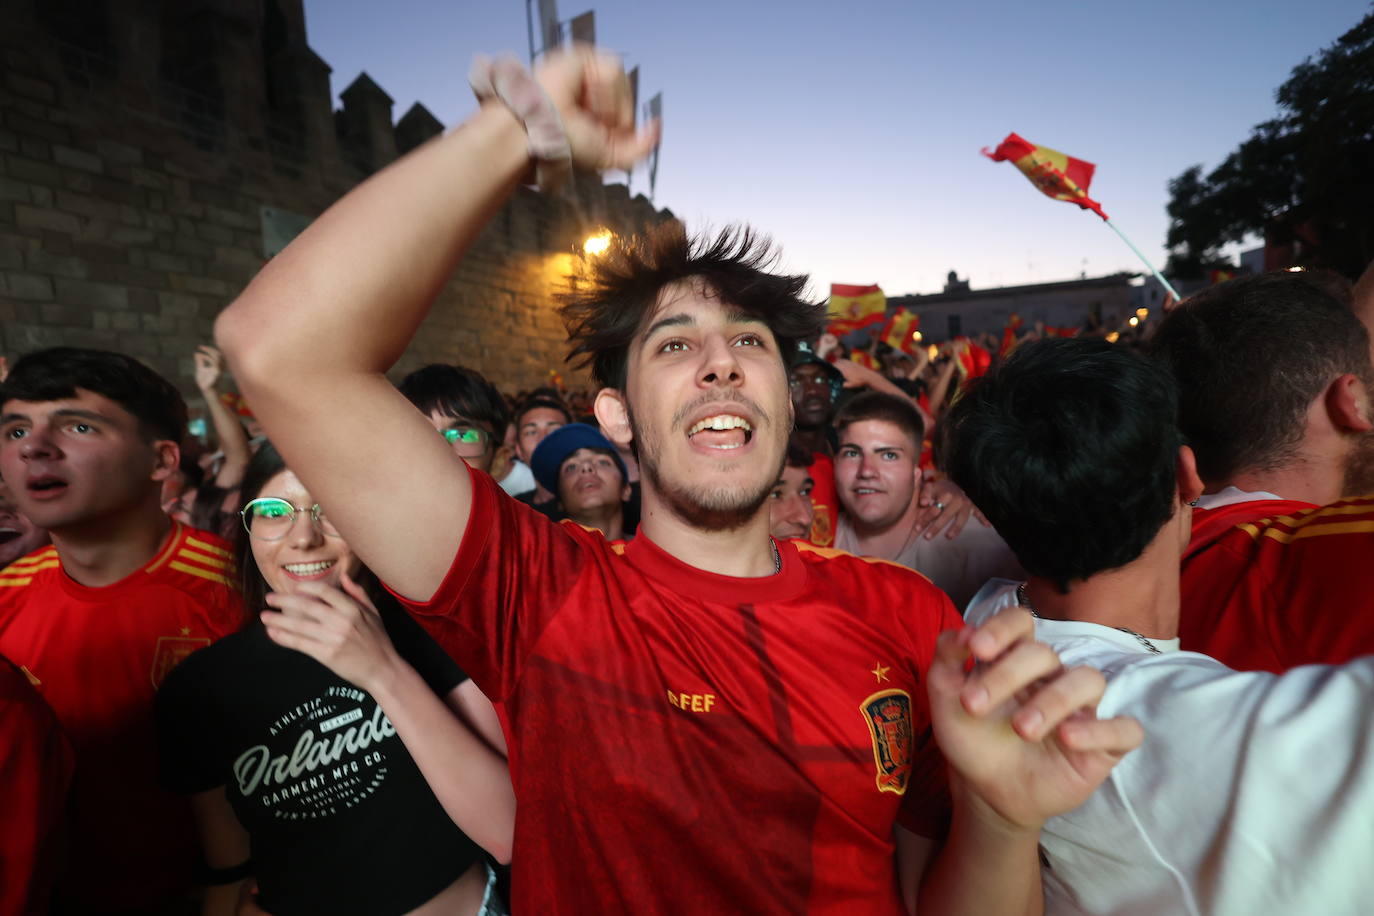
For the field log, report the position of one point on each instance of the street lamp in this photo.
(1134, 321)
(597, 244)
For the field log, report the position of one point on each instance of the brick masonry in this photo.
(138, 149)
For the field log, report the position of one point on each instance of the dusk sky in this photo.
(850, 131)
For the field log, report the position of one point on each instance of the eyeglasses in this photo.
(465, 435)
(268, 518)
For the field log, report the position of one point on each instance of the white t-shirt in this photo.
(1253, 793)
(519, 479)
(957, 566)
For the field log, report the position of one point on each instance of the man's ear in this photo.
(1348, 406)
(613, 414)
(1188, 482)
(166, 458)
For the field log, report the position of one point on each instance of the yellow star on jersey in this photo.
(880, 671)
(185, 631)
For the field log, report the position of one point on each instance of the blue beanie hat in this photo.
(550, 454)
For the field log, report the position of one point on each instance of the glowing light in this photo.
(1296, 270)
(597, 244)
(916, 336)
(1113, 337)
(1134, 321)
(934, 351)
(1142, 313)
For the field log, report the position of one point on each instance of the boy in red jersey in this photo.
(1276, 383)
(98, 618)
(715, 721)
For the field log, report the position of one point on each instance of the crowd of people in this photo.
(752, 628)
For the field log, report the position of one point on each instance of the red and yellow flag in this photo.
(865, 359)
(1055, 174)
(1009, 335)
(897, 332)
(854, 307)
(1221, 276)
(972, 361)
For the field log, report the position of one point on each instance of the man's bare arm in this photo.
(312, 335)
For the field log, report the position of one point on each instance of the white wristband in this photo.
(507, 80)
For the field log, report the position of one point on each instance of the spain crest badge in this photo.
(888, 714)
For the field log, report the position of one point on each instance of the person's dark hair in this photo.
(456, 391)
(265, 464)
(535, 402)
(878, 405)
(798, 457)
(608, 306)
(1070, 448)
(1250, 356)
(55, 373)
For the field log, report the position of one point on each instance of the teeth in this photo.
(723, 421)
(308, 569)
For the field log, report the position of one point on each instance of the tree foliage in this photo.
(1308, 174)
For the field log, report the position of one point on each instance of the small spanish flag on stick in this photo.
(901, 330)
(855, 307)
(1063, 178)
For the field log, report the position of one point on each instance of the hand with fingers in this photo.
(209, 367)
(592, 94)
(944, 508)
(1019, 729)
(339, 628)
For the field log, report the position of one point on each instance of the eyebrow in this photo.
(733, 314)
(65, 413)
(876, 448)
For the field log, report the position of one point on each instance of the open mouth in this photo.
(9, 534)
(723, 431)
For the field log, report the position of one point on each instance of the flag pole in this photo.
(1146, 261)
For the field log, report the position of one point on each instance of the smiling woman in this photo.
(356, 732)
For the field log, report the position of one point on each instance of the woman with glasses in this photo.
(336, 758)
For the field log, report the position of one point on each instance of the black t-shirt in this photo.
(340, 818)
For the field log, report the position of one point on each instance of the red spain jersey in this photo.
(35, 770)
(825, 501)
(97, 656)
(1271, 593)
(685, 742)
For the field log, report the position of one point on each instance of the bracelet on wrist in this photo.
(506, 80)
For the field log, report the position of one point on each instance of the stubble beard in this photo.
(1359, 468)
(706, 509)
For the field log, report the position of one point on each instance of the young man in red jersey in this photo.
(1276, 384)
(98, 618)
(719, 722)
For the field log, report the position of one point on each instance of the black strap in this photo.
(213, 877)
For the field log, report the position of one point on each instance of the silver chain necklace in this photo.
(777, 557)
(1023, 599)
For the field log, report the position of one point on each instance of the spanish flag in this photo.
(1009, 335)
(898, 331)
(1055, 174)
(865, 359)
(854, 307)
(972, 360)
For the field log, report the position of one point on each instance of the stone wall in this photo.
(151, 153)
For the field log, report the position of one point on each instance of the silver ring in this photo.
(939, 505)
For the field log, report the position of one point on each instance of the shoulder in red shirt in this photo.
(1269, 593)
